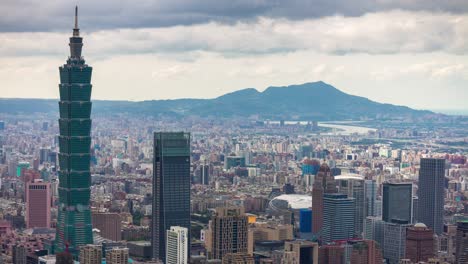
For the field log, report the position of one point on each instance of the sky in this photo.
(404, 52)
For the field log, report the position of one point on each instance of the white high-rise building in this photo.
(177, 245)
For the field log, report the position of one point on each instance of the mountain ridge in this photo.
(309, 101)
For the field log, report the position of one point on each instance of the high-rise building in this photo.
(177, 245)
(90, 254)
(328, 180)
(171, 187)
(371, 198)
(338, 217)
(19, 254)
(394, 244)
(353, 186)
(419, 243)
(332, 254)
(462, 242)
(317, 206)
(117, 256)
(205, 174)
(38, 200)
(109, 225)
(74, 215)
(300, 251)
(229, 232)
(366, 251)
(397, 202)
(431, 193)
(374, 228)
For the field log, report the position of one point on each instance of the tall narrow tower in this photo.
(74, 215)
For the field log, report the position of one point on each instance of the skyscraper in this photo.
(338, 217)
(229, 233)
(38, 199)
(171, 187)
(177, 245)
(74, 215)
(371, 198)
(317, 206)
(353, 186)
(419, 243)
(397, 202)
(462, 242)
(431, 193)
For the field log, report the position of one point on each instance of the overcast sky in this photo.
(406, 52)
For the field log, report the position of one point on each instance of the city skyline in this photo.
(237, 179)
(425, 53)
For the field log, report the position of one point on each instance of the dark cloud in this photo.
(39, 15)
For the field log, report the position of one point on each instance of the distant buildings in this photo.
(238, 258)
(419, 243)
(338, 217)
(177, 245)
(171, 187)
(74, 214)
(38, 200)
(431, 193)
(233, 161)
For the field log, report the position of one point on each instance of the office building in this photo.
(19, 254)
(366, 251)
(332, 254)
(374, 228)
(300, 251)
(117, 256)
(205, 174)
(353, 186)
(328, 180)
(419, 243)
(229, 232)
(397, 202)
(462, 242)
(90, 254)
(38, 200)
(338, 217)
(394, 245)
(109, 225)
(371, 206)
(171, 187)
(431, 193)
(317, 206)
(74, 215)
(177, 245)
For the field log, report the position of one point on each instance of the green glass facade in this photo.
(74, 226)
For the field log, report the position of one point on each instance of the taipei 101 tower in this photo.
(74, 216)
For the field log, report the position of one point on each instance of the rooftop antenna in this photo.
(76, 30)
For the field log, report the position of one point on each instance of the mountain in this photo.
(309, 101)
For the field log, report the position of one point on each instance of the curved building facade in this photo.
(74, 216)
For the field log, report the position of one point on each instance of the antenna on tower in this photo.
(76, 16)
(76, 30)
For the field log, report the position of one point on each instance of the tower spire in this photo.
(76, 30)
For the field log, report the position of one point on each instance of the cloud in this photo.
(39, 15)
(376, 33)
